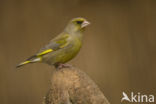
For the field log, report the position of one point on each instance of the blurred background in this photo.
(119, 51)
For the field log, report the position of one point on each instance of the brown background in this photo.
(119, 51)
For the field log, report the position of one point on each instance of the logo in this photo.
(138, 97)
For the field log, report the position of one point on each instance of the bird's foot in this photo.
(60, 66)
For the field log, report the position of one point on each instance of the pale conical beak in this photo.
(84, 24)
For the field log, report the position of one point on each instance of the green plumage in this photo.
(62, 48)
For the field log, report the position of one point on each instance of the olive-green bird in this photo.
(62, 48)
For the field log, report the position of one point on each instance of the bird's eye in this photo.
(79, 22)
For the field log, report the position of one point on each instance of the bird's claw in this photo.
(60, 66)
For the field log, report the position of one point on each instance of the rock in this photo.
(72, 86)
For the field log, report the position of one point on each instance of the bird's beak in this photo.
(84, 24)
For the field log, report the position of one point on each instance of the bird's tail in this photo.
(32, 59)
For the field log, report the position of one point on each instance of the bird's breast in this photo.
(72, 51)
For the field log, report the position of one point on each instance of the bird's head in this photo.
(77, 24)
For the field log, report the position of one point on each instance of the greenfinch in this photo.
(63, 47)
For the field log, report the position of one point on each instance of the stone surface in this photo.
(72, 86)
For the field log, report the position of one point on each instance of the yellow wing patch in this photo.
(44, 52)
(23, 63)
(62, 46)
(26, 62)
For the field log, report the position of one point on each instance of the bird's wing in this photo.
(57, 43)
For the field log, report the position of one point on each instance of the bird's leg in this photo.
(60, 66)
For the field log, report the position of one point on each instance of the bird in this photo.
(63, 47)
(125, 97)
